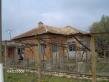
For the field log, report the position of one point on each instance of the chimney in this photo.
(40, 24)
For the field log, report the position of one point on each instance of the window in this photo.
(72, 46)
(20, 52)
(55, 48)
(42, 48)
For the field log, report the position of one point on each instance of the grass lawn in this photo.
(17, 77)
(30, 77)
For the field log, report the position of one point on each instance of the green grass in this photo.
(17, 77)
(63, 79)
(30, 77)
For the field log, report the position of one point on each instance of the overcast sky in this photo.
(22, 15)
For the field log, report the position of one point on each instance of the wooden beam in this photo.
(5, 53)
(80, 42)
(77, 55)
(38, 58)
(93, 58)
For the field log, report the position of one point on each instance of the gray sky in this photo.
(22, 15)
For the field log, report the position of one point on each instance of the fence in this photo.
(61, 65)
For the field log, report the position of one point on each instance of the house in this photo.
(56, 44)
(9, 51)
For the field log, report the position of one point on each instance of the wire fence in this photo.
(61, 63)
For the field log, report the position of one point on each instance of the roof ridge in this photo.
(81, 31)
(52, 29)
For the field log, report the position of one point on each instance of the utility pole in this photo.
(0, 34)
(93, 58)
(1, 63)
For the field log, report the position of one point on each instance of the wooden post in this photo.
(50, 53)
(38, 58)
(5, 53)
(93, 58)
(77, 57)
(60, 55)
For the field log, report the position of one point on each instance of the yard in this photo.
(30, 77)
